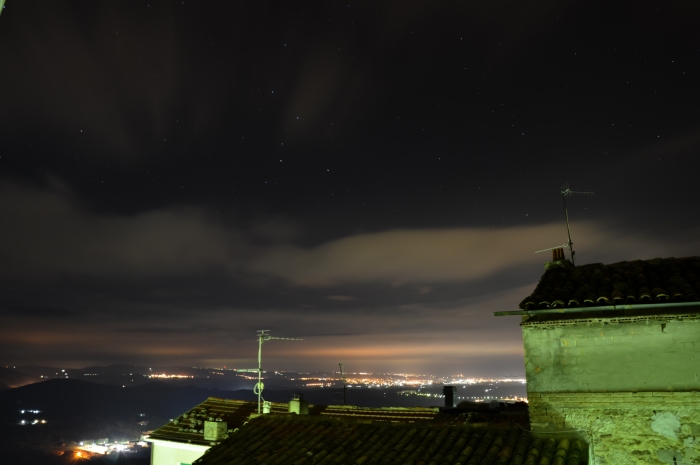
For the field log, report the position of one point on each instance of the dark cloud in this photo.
(175, 286)
(444, 255)
(160, 200)
(38, 312)
(96, 71)
(47, 234)
(341, 298)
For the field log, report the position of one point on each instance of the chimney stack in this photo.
(298, 405)
(558, 259)
(450, 393)
(214, 430)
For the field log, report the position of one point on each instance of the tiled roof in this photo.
(498, 418)
(189, 427)
(635, 282)
(307, 440)
(404, 414)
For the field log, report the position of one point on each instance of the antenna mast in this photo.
(262, 337)
(344, 387)
(566, 192)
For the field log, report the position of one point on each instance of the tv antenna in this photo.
(343, 378)
(263, 335)
(567, 192)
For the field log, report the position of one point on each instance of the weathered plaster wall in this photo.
(172, 453)
(613, 354)
(626, 428)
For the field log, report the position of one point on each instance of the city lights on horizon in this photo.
(163, 375)
(329, 378)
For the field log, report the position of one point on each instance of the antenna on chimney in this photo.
(344, 387)
(567, 192)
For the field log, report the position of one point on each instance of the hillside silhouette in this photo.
(14, 378)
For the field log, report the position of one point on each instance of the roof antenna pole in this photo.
(565, 192)
(568, 230)
(259, 386)
(262, 337)
(344, 387)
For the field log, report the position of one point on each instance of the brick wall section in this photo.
(625, 428)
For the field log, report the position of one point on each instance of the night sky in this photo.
(373, 177)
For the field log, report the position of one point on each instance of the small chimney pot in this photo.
(298, 405)
(450, 393)
(558, 259)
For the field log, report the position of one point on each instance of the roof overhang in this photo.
(179, 445)
(625, 307)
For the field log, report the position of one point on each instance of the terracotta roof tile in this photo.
(409, 414)
(308, 439)
(189, 427)
(640, 282)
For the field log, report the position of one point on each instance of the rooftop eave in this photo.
(599, 309)
(181, 444)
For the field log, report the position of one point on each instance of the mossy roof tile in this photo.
(384, 443)
(639, 281)
(188, 427)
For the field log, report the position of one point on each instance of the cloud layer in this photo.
(48, 233)
(443, 255)
(179, 285)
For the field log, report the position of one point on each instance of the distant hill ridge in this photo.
(13, 378)
(74, 398)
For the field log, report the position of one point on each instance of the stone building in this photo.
(612, 352)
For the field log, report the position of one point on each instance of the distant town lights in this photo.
(163, 375)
